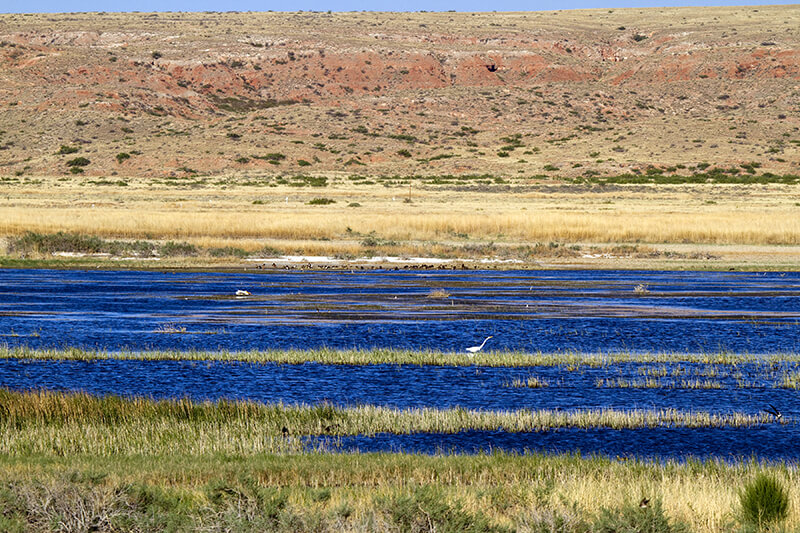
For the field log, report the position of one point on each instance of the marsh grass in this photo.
(570, 361)
(531, 382)
(655, 383)
(77, 423)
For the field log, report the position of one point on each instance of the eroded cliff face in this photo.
(207, 91)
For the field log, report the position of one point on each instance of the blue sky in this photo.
(52, 6)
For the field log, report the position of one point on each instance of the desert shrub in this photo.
(632, 518)
(122, 156)
(321, 201)
(78, 162)
(308, 181)
(764, 501)
(404, 153)
(303, 163)
(67, 149)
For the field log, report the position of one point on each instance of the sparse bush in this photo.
(47, 243)
(303, 163)
(321, 201)
(548, 521)
(636, 519)
(764, 501)
(404, 153)
(426, 509)
(122, 156)
(227, 251)
(67, 149)
(78, 162)
(171, 248)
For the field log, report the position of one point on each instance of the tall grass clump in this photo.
(764, 502)
(642, 518)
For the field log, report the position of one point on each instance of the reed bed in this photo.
(741, 227)
(394, 356)
(44, 422)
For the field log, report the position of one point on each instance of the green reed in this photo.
(569, 360)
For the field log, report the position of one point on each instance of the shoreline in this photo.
(753, 263)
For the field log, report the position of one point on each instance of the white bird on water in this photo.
(476, 349)
(242, 293)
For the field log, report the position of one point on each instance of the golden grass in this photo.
(781, 227)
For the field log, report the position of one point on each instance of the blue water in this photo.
(773, 442)
(524, 310)
(592, 311)
(402, 386)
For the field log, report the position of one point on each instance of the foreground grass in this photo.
(372, 492)
(395, 356)
(74, 462)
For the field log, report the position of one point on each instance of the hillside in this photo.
(519, 95)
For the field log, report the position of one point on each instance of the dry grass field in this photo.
(700, 226)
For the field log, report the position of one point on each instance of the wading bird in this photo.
(774, 412)
(242, 293)
(476, 349)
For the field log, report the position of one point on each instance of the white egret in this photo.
(242, 293)
(475, 349)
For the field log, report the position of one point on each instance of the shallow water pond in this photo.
(442, 310)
